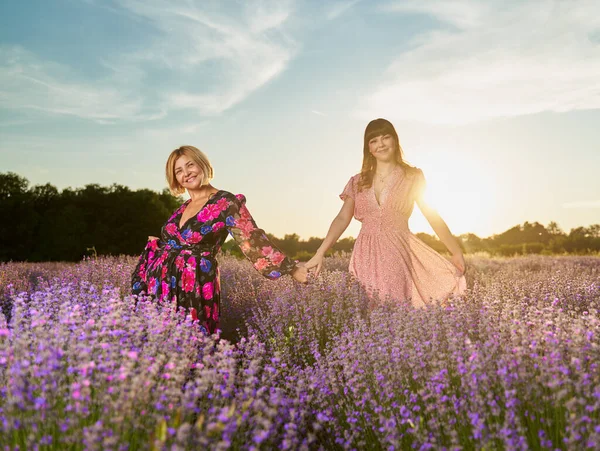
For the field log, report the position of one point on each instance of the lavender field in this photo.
(511, 365)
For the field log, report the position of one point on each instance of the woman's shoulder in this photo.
(354, 181)
(415, 178)
(414, 172)
(238, 198)
(355, 178)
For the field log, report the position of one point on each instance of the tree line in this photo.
(528, 238)
(40, 223)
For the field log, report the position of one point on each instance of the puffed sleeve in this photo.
(350, 189)
(254, 243)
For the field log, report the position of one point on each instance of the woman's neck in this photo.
(385, 167)
(201, 193)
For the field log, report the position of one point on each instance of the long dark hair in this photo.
(379, 127)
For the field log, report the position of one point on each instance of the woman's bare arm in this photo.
(338, 226)
(442, 230)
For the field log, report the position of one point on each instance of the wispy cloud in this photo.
(14, 123)
(199, 55)
(583, 204)
(492, 59)
(318, 113)
(27, 82)
(221, 55)
(339, 8)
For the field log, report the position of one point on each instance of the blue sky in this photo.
(497, 101)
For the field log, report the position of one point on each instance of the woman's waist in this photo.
(381, 225)
(172, 247)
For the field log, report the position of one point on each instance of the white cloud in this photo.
(339, 8)
(30, 83)
(492, 59)
(227, 54)
(199, 56)
(264, 15)
(583, 204)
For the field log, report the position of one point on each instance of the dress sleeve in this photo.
(349, 190)
(254, 243)
(139, 274)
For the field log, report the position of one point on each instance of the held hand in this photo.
(300, 273)
(315, 262)
(459, 261)
(152, 238)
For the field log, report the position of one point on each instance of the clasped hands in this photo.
(302, 269)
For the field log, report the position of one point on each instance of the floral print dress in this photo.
(181, 266)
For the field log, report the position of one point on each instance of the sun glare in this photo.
(462, 191)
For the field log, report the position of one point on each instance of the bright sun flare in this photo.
(461, 192)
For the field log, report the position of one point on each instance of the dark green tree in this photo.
(19, 217)
(43, 224)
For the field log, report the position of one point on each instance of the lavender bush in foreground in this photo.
(511, 365)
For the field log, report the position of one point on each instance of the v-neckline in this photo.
(386, 185)
(210, 198)
(380, 201)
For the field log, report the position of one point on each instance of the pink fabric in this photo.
(387, 258)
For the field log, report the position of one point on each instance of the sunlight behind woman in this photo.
(461, 190)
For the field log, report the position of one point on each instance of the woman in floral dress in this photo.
(387, 258)
(181, 265)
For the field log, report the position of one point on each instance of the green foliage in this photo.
(231, 248)
(303, 256)
(534, 238)
(43, 224)
(40, 223)
(344, 245)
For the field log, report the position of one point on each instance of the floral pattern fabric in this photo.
(181, 266)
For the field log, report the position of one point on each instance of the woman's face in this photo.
(383, 147)
(188, 173)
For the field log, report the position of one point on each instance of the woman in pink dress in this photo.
(387, 259)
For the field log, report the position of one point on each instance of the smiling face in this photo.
(187, 168)
(188, 174)
(380, 145)
(383, 147)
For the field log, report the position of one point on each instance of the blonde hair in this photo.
(198, 157)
